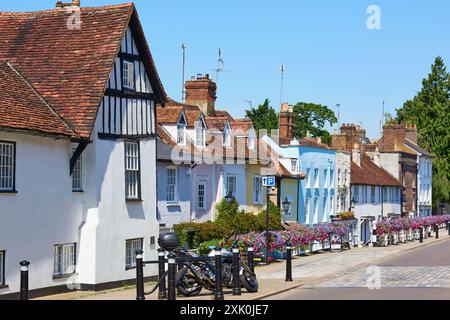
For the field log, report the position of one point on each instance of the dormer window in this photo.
(227, 135)
(181, 131)
(200, 134)
(294, 165)
(128, 75)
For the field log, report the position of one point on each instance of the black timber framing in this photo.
(76, 155)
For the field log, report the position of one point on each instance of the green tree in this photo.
(430, 111)
(389, 118)
(263, 117)
(313, 118)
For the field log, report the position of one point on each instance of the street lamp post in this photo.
(286, 206)
(229, 197)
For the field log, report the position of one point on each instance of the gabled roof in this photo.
(417, 149)
(371, 174)
(171, 113)
(70, 67)
(21, 108)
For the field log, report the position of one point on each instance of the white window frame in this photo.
(331, 203)
(200, 134)
(64, 259)
(325, 173)
(204, 184)
(308, 178)
(316, 177)
(181, 133)
(339, 178)
(234, 184)
(7, 166)
(128, 75)
(77, 174)
(257, 190)
(132, 170)
(316, 209)
(294, 165)
(2, 268)
(171, 184)
(331, 178)
(131, 246)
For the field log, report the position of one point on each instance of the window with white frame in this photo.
(385, 194)
(308, 178)
(77, 184)
(316, 208)
(339, 177)
(7, 166)
(64, 259)
(131, 247)
(257, 190)
(2, 268)
(316, 178)
(356, 193)
(294, 165)
(325, 176)
(331, 203)
(365, 198)
(231, 185)
(181, 131)
(171, 185)
(200, 134)
(132, 170)
(128, 75)
(344, 178)
(201, 195)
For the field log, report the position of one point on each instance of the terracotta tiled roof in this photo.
(164, 135)
(21, 107)
(371, 174)
(172, 114)
(70, 67)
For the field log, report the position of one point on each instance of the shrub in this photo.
(274, 219)
(203, 248)
(193, 234)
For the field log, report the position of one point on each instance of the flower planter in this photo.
(402, 236)
(383, 241)
(316, 246)
(409, 235)
(417, 234)
(326, 245)
(393, 238)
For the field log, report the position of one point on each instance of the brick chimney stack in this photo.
(393, 137)
(287, 122)
(201, 91)
(411, 133)
(74, 3)
(347, 137)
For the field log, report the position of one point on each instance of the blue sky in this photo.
(329, 54)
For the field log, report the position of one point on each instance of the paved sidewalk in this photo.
(307, 270)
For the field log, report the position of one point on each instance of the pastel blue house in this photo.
(317, 192)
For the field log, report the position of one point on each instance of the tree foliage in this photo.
(430, 111)
(313, 118)
(263, 117)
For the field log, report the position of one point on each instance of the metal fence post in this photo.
(448, 227)
(436, 229)
(236, 271)
(24, 268)
(251, 261)
(421, 235)
(172, 276)
(219, 279)
(161, 274)
(288, 261)
(139, 276)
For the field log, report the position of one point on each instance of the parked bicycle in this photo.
(194, 276)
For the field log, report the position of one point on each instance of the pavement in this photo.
(323, 273)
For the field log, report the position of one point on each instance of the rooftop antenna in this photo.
(183, 92)
(250, 103)
(282, 82)
(219, 64)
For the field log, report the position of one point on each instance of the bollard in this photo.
(236, 271)
(24, 267)
(251, 262)
(288, 261)
(421, 235)
(219, 279)
(448, 227)
(139, 276)
(162, 294)
(172, 275)
(436, 230)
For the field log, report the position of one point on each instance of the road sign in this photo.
(268, 181)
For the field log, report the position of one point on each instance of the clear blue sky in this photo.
(330, 55)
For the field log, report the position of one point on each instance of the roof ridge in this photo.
(16, 71)
(59, 10)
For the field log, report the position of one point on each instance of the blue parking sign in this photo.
(268, 181)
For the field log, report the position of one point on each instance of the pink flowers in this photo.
(397, 225)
